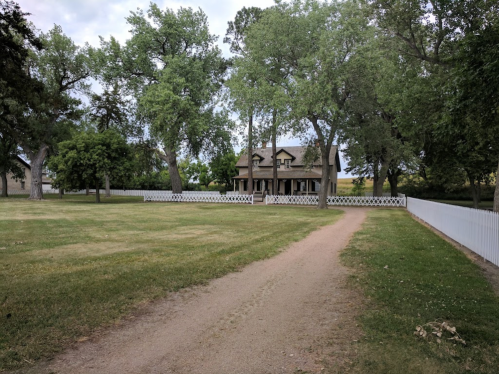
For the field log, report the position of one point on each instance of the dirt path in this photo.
(275, 316)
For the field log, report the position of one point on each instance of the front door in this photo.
(287, 187)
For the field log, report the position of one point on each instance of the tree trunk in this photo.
(171, 159)
(325, 147)
(61, 192)
(250, 155)
(475, 194)
(108, 186)
(326, 170)
(87, 190)
(97, 191)
(393, 179)
(496, 192)
(381, 178)
(274, 155)
(37, 171)
(4, 185)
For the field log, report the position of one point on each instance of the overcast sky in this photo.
(86, 20)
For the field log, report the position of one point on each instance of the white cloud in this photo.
(86, 20)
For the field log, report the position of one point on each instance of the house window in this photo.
(23, 185)
(287, 163)
(278, 164)
(255, 163)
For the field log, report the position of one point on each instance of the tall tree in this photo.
(242, 79)
(17, 87)
(316, 41)
(174, 69)
(109, 110)
(63, 68)
(455, 43)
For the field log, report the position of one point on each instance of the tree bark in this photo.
(4, 185)
(171, 159)
(475, 193)
(274, 155)
(250, 155)
(97, 191)
(37, 172)
(61, 192)
(496, 192)
(381, 177)
(393, 178)
(325, 147)
(87, 190)
(108, 186)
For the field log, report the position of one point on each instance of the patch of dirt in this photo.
(490, 271)
(289, 313)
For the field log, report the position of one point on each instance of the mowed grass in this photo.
(70, 267)
(410, 277)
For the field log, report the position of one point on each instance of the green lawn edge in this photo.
(409, 277)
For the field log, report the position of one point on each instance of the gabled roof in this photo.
(283, 150)
(261, 157)
(295, 151)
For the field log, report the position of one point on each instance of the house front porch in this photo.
(289, 183)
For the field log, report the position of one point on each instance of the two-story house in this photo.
(294, 177)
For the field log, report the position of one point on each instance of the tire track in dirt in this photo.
(291, 312)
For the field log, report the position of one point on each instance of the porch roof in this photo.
(290, 174)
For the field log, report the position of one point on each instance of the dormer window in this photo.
(255, 163)
(278, 164)
(287, 164)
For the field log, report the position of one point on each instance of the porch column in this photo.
(307, 186)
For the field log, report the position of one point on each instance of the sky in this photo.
(85, 20)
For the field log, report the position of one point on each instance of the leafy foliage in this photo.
(88, 158)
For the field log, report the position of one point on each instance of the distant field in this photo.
(69, 267)
(345, 186)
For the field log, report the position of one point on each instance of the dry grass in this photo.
(70, 267)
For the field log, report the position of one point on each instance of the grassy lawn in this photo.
(412, 277)
(69, 267)
(467, 204)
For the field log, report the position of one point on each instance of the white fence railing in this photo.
(16, 192)
(384, 194)
(337, 200)
(476, 229)
(198, 198)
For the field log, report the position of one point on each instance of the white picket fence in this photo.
(337, 200)
(198, 198)
(476, 229)
(16, 192)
